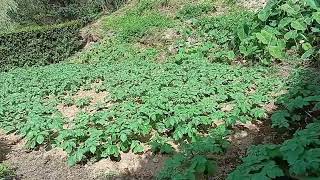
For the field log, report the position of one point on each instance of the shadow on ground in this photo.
(5, 149)
(301, 84)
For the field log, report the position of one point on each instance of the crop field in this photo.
(211, 89)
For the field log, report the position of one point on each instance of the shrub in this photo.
(283, 29)
(196, 159)
(219, 34)
(42, 12)
(39, 45)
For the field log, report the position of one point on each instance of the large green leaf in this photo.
(40, 139)
(284, 22)
(299, 25)
(291, 35)
(242, 31)
(312, 3)
(289, 9)
(308, 54)
(276, 51)
(265, 37)
(316, 16)
(279, 119)
(306, 46)
(264, 14)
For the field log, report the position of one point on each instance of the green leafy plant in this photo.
(83, 102)
(160, 145)
(281, 30)
(282, 26)
(218, 36)
(68, 101)
(195, 159)
(177, 101)
(6, 172)
(137, 22)
(296, 157)
(301, 102)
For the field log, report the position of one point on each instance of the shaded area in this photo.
(4, 150)
(297, 108)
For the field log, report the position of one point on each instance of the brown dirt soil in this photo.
(41, 164)
(71, 111)
(243, 137)
(252, 4)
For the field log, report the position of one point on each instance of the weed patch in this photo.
(195, 10)
(132, 25)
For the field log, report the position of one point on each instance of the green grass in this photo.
(195, 10)
(133, 25)
(6, 172)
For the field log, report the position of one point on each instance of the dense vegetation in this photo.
(177, 100)
(41, 32)
(222, 71)
(297, 157)
(44, 12)
(39, 45)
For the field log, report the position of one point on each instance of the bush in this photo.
(282, 30)
(42, 12)
(39, 45)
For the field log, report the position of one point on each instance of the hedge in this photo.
(39, 45)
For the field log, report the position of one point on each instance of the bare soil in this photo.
(52, 164)
(252, 4)
(71, 111)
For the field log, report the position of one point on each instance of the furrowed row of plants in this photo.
(177, 101)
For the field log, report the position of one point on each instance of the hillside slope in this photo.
(164, 90)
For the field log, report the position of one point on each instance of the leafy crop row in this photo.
(198, 158)
(176, 100)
